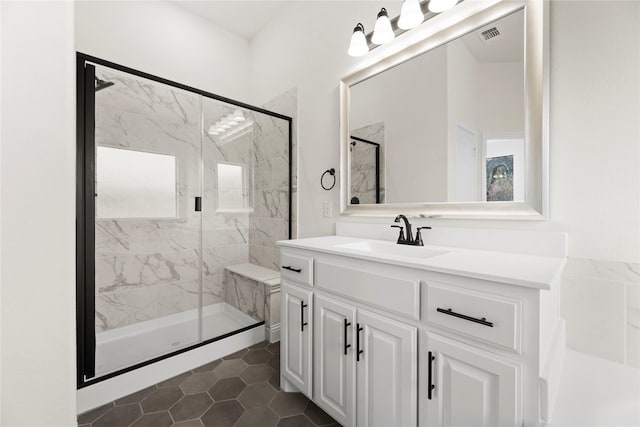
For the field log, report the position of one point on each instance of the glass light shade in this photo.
(238, 116)
(411, 15)
(437, 6)
(358, 45)
(382, 31)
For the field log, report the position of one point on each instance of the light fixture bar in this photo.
(424, 5)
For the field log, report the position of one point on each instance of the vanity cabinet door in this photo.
(297, 316)
(334, 359)
(469, 387)
(386, 372)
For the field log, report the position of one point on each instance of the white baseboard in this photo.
(552, 371)
(114, 388)
(273, 333)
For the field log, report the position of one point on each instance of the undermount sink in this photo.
(391, 248)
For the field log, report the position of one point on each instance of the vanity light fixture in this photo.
(437, 6)
(411, 15)
(358, 45)
(382, 31)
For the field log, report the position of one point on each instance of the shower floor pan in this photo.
(123, 347)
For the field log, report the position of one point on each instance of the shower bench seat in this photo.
(255, 290)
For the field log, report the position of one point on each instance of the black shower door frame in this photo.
(85, 211)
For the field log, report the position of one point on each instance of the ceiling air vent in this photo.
(487, 35)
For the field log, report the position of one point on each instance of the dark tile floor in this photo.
(240, 390)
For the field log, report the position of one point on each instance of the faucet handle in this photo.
(401, 236)
(418, 241)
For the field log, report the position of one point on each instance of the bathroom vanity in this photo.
(380, 334)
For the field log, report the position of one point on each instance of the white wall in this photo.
(413, 93)
(37, 200)
(165, 40)
(594, 105)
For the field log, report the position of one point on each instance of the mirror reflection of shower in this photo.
(102, 84)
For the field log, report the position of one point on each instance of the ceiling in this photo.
(507, 47)
(244, 18)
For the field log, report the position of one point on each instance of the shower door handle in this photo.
(198, 204)
(302, 322)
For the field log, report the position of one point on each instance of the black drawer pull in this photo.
(358, 351)
(450, 312)
(430, 385)
(295, 270)
(346, 346)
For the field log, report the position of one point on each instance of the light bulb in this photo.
(437, 6)
(411, 15)
(382, 31)
(358, 45)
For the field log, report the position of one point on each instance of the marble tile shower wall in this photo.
(363, 164)
(148, 268)
(601, 305)
(269, 221)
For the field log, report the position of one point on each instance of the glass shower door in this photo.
(147, 229)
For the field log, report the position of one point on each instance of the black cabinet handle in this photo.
(302, 322)
(358, 351)
(450, 312)
(346, 346)
(430, 375)
(295, 270)
(198, 206)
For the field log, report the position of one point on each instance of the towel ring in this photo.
(331, 172)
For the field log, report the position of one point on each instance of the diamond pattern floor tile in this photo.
(239, 390)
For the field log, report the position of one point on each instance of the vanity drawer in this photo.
(396, 294)
(492, 318)
(298, 268)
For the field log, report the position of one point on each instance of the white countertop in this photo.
(531, 271)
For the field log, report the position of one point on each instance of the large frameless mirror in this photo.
(454, 125)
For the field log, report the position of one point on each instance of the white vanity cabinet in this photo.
(464, 386)
(410, 343)
(364, 366)
(297, 326)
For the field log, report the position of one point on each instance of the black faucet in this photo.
(408, 240)
(407, 225)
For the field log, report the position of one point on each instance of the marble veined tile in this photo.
(272, 203)
(265, 257)
(244, 294)
(137, 95)
(112, 127)
(605, 270)
(118, 309)
(213, 289)
(216, 259)
(267, 231)
(174, 298)
(123, 271)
